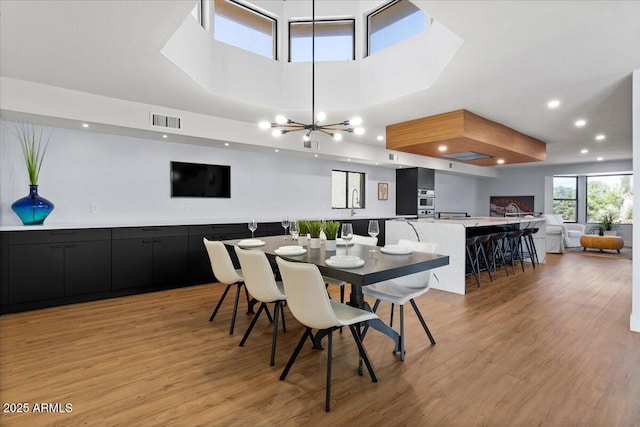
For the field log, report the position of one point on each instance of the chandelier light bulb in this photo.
(280, 119)
(356, 121)
(264, 125)
(306, 138)
(321, 116)
(358, 131)
(337, 136)
(276, 133)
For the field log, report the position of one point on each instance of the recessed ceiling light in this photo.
(500, 161)
(377, 163)
(380, 137)
(315, 155)
(348, 160)
(600, 159)
(85, 125)
(442, 148)
(580, 123)
(584, 151)
(165, 136)
(554, 103)
(226, 144)
(600, 137)
(276, 150)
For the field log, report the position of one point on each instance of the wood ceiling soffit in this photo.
(462, 131)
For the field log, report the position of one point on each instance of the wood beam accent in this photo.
(461, 131)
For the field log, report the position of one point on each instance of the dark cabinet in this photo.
(150, 256)
(408, 181)
(52, 264)
(36, 272)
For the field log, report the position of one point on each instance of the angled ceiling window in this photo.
(241, 26)
(334, 40)
(393, 23)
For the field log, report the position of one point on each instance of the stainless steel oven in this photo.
(426, 199)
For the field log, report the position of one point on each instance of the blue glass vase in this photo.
(33, 209)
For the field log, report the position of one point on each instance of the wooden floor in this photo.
(550, 347)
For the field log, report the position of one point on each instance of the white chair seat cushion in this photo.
(574, 233)
(348, 315)
(333, 282)
(393, 291)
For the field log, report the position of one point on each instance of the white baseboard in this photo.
(634, 322)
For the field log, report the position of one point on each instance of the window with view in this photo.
(392, 23)
(347, 189)
(610, 194)
(243, 27)
(565, 197)
(334, 40)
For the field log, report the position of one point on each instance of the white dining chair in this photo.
(223, 269)
(404, 289)
(364, 240)
(309, 302)
(259, 280)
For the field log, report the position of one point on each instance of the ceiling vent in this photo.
(311, 145)
(160, 120)
(393, 157)
(466, 156)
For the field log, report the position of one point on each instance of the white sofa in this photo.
(560, 235)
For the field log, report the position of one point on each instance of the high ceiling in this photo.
(516, 56)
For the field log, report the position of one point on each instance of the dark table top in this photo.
(378, 266)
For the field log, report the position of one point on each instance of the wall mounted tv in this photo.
(199, 180)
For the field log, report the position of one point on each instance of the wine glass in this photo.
(347, 234)
(285, 225)
(374, 230)
(253, 226)
(293, 229)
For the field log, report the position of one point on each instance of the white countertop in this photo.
(160, 223)
(479, 221)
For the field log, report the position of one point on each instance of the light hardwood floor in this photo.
(549, 347)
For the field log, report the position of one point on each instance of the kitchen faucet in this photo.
(354, 195)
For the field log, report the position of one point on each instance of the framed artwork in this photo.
(501, 205)
(383, 191)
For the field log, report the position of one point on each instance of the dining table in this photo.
(378, 266)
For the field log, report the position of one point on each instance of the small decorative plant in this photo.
(303, 227)
(607, 217)
(331, 229)
(34, 147)
(314, 228)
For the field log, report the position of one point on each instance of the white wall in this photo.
(129, 179)
(635, 304)
(457, 193)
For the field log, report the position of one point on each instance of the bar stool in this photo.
(514, 244)
(497, 241)
(528, 242)
(533, 244)
(481, 244)
(472, 258)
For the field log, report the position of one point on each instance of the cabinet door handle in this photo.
(71, 245)
(146, 241)
(55, 246)
(57, 233)
(157, 240)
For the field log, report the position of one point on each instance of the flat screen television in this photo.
(199, 180)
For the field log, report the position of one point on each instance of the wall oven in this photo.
(426, 202)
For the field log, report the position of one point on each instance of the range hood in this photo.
(464, 137)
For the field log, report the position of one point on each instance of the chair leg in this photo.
(327, 403)
(342, 293)
(424, 324)
(215, 311)
(363, 353)
(307, 334)
(235, 310)
(284, 325)
(246, 293)
(474, 267)
(391, 319)
(402, 351)
(252, 324)
(274, 334)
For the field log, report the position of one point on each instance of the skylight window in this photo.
(392, 23)
(334, 40)
(244, 27)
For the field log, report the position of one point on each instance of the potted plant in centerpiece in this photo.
(315, 227)
(303, 232)
(607, 216)
(32, 209)
(331, 231)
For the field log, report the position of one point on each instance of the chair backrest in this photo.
(307, 297)
(423, 278)
(554, 219)
(258, 275)
(221, 263)
(364, 240)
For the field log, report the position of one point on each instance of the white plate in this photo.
(351, 264)
(250, 243)
(396, 250)
(290, 250)
(340, 242)
(344, 258)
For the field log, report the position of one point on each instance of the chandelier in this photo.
(283, 125)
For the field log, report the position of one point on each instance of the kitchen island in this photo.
(450, 236)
